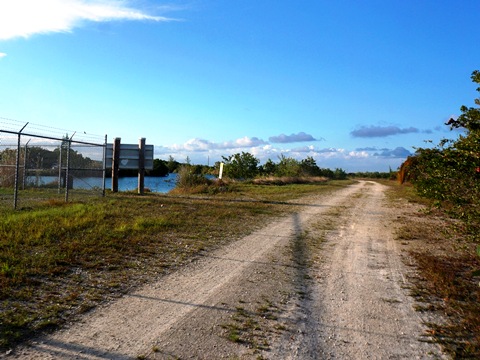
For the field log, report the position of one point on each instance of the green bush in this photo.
(188, 177)
(450, 173)
(241, 166)
(288, 167)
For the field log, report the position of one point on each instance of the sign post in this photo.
(129, 157)
(115, 164)
(141, 166)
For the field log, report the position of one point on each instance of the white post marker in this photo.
(220, 173)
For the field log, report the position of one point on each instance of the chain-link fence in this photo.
(39, 163)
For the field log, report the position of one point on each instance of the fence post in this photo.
(104, 172)
(141, 166)
(115, 164)
(25, 165)
(17, 168)
(67, 172)
(60, 167)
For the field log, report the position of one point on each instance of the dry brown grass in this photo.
(446, 260)
(273, 180)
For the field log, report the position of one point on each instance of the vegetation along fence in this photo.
(39, 163)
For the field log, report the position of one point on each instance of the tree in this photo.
(7, 173)
(160, 168)
(339, 174)
(309, 167)
(470, 117)
(269, 168)
(288, 166)
(241, 166)
(450, 172)
(172, 164)
(39, 157)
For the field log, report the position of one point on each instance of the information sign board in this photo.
(129, 157)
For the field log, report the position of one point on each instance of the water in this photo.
(155, 184)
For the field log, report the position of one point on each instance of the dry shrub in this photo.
(285, 180)
(7, 176)
(189, 183)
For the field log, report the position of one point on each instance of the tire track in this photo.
(358, 309)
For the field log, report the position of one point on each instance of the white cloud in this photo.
(206, 145)
(246, 142)
(201, 151)
(2, 55)
(196, 145)
(24, 18)
(358, 154)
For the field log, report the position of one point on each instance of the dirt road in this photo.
(325, 282)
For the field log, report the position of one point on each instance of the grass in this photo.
(251, 328)
(446, 259)
(60, 260)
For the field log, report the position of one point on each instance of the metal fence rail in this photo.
(39, 163)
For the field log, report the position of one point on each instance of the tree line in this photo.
(43, 162)
(37, 157)
(245, 166)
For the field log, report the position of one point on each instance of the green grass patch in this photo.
(251, 328)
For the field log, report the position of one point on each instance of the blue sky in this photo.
(356, 85)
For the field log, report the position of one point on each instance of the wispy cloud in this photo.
(2, 55)
(303, 149)
(24, 18)
(381, 131)
(300, 137)
(368, 148)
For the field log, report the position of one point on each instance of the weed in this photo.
(391, 301)
(234, 335)
(249, 328)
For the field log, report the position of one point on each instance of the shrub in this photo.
(450, 173)
(288, 167)
(191, 181)
(188, 178)
(241, 166)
